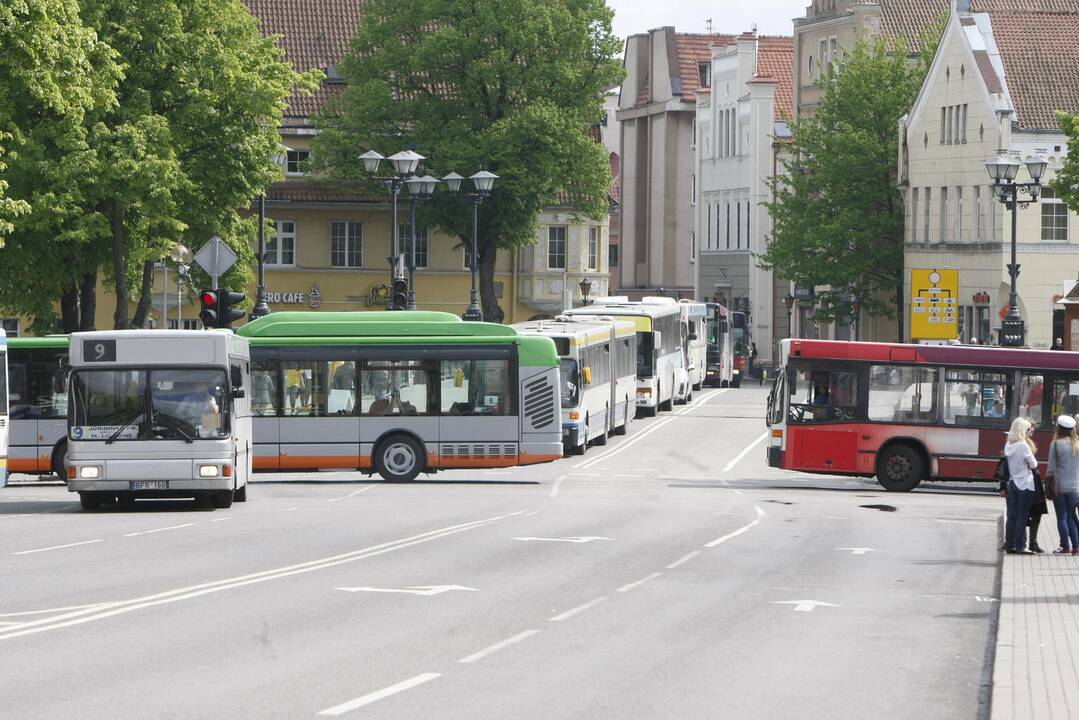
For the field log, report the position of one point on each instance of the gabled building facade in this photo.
(741, 128)
(1002, 69)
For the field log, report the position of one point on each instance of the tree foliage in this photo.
(1066, 180)
(838, 210)
(185, 146)
(511, 86)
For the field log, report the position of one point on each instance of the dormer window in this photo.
(704, 73)
(294, 161)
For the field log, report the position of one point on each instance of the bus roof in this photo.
(627, 309)
(403, 324)
(974, 355)
(584, 330)
(48, 341)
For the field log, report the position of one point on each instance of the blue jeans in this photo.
(1019, 502)
(1067, 525)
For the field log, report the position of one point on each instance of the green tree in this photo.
(511, 86)
(1066, 181)
(838, 210)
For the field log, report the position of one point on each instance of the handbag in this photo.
(1002, 474)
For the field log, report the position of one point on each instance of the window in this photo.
(593, 248)
(977, 213)
(305, 388)
(692, 246)
(944, 214)
(747, 223)
(294, 161)
(943, 122)
(928, 202)
(1064, 396)
(265, 401)
(390, 388)
(708, 232)
(10, 326)
(948, 126)
(612, 256)
(823, 53)
(1032, 397)
(38, 386)
(738, 225)
(692, 189)
(963, 124)
(405, 235)
(346, 249)
(902, 393)
(728, 226)
(974, 398)
(281, 247)
(1054, 217)
(823, 394)
(556, 247)
(914, 215)
(476, 387)
(704, 74)
(959, 214)
(833, 53)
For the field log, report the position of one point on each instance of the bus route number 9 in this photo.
(99, 350)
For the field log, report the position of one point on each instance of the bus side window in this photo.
(901, 393)
(264, 397)
(1065, 395)
(485, 390)
(1032, 398)
(974, 398)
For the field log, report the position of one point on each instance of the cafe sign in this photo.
(378, 296)
(312, 298)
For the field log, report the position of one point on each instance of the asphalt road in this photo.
(670, 574)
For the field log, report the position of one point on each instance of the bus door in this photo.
(319, 425)
(478, 408)
(821, 427)
(398, 396)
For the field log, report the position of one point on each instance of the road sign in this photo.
(934, 304)
(215, 257)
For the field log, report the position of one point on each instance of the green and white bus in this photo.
(598, 375)
(400, 393)
(3, 408)
(37, 391)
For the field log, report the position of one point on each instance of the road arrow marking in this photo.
(425, 590)
(858, 551)
(804, 605)
(564, 539)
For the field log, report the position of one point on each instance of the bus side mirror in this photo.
(236, 375)
(692, 335)
(458, 378)
(59, 382)
(587, 376)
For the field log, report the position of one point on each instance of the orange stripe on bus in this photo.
(316, 462)
(21, 465)
(527, 459)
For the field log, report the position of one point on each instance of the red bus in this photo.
(909, 413)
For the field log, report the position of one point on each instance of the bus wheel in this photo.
(58, 461)
(241, 494)
(899, 469)
(89, 501)
(398, 459)
(666, 405)
(223, 499)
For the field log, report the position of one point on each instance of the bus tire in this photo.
(900, 468)
(58, 461)
(399, 458)
(223, 499)
(241, 494)
(699, 386)
(89, 501)
(665, 405)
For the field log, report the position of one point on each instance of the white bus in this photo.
(159, 414)
(720, 347)
(695, 345)
(661, 374)
(598, 371)
(3, 408)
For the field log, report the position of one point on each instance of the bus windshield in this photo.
(3, 384)
(170, 404)
(646, 358)
(570, 383)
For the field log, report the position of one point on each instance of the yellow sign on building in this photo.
(934, 304)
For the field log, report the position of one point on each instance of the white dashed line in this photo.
(498, 646)
(637, 583)
(56, 547)
(684, 559)
(157, 530)
(380, 694)
(578, 609)
(739, 531)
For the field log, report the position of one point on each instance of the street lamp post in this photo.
(405, 164)
(856, 314)
(586, 288)
(789, 302)
(483, 181)
(1003, 172)
(420, 189)
(181, 255)
(261, 306)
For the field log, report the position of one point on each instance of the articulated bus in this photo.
(661, 373)
(598, 372)
(695, 343)
(37, 371)
(910, 413)
(3, 408)
(159, 413)
(720, 353)
(400, 393)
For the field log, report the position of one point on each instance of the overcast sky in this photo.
(773, 17)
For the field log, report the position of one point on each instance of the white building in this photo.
(740, 127)
(1001, 71)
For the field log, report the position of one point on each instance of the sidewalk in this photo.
(1036, 667)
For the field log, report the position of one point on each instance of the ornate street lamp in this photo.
(789, 302)
(405, 164)
(261, 306)
(483, 182)
(420, 189)
(586, 287)
(1003, 172)
(856, 313)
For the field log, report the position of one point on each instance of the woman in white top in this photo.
(1019, 451)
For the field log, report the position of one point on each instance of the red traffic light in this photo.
(208, 299)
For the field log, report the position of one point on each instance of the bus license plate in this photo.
(149, 485)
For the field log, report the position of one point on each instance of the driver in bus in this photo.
(199, 409)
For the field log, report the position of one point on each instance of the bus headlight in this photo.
(209, 471)
(90, 472)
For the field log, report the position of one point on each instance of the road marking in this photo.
(630, 476)
(587, 474)
(351, 494)
(425, 590)
(701, 400)
(157, 530)
(578, 609)
(745, 452)
(563, 539)
(79, 617)
(739, 531)
(290, 509)
(57, 547)
(858, 551)
(221, 519)
(380, 694)
(637, 583)
(684, 559)
(498, 646)
(804, 605)
(979, 598)
(52, 610)
(968, 522)
(627, 444)
(557, 485)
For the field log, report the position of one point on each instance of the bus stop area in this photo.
(1036, 665)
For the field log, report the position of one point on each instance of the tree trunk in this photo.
(119, 317)
(69, 309)
(88, 301)
(488, 302)
(143, 309)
